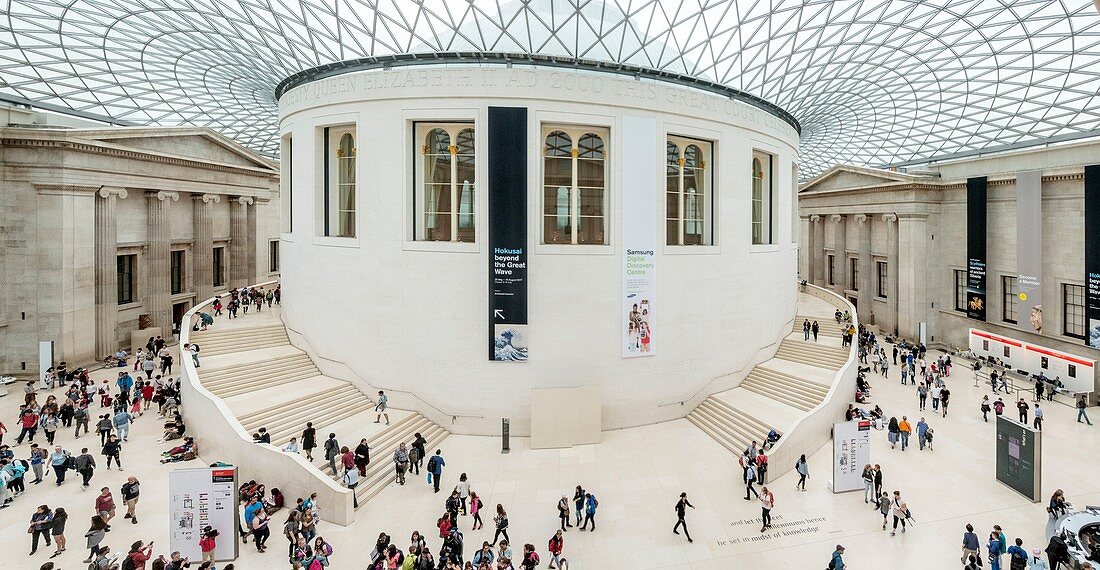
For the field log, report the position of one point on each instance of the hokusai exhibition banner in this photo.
(507, 234)
(975, 248)
(1092, 256)
(1029, 251)
(639, 237)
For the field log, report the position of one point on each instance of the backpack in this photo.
(129, 564)
(431, 465)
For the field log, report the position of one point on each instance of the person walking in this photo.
(80, 416)
(922, 395)
(900, 512)
(463, 489)
(878, 480)
(803, 470)
(309, 440)
(884, 508)
(1038, 414)
(418, 445)
(554, 547)
(893, 432)
(380, 408)
(922, 433)
(1017, 556)
(578, 503)
(401, 462)
(112, 450)
(1023, 408)
(681, 511)
(59, 461)
(985, 408)
(41, 521)
(475, 511)
(1082, 403)
(332, 451)
(105, 426)
(38, 458)
(95, 534)
(750, 479)
(837, 561)
(905, 429)
(806, 330)
(970, 544)
(501, 521)
(994, 548)
(351, 480)
(362, 457)
(869, 485)
(105, 506)
(530, 557)
(563, 513)
(945, 398)
(435, 468)
(814, 329)
(57, 531)
(85, 465)
(767, 502)
(131, 491)
(122, 421)
(260, 531)
(590, 504)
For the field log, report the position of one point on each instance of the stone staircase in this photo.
(729, 426)
(381, 472)
(812, 353)
(214, 342)
(793, 391)
(269, 383)
(825, 328)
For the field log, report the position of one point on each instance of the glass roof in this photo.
(871, 81)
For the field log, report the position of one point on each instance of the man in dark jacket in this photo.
(332, 451)
(362, 457)
(85, 465)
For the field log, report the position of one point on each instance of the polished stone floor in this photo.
(637, 475)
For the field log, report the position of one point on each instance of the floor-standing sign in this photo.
(1020, 458)
(198, 498)
(1029, 251)
(975, 247)
(1092, 255)
(45, 360)
(851, 451)
(639, 237)
(507, 138)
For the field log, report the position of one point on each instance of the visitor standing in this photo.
(1023, 408)
(1082, 403)
(578, 503)
(401, 462)
(309, 440)
(767, 502)
(970, 544)
(814, 328)
(105, 506)
(590, 504)
(869, 493)
(41, 521)
(131, 491)
(57, 531)
(463, 490)
(563, 512)
(803, 470)
(750, 479)
(922, 433)
(1038, 421)
(112, 450)
(681, 512)
(435, 468)
(332, 451)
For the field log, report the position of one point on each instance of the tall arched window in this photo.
(574, 186)
(763, 199)
(446, 186)
(337, 205)
(687, 192)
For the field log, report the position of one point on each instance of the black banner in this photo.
(975, 247)
(1092, 256)
(507, 136)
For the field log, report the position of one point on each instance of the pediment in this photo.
(844, 176)
(196, 144)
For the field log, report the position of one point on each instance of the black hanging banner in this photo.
(1092, 256)
(507, 136)
(975, 247)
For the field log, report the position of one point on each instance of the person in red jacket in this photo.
(557, 542)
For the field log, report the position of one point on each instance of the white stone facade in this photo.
(74, 199)
(411, 316)
(918, 225)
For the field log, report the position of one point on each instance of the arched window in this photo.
(762, 199)
(687, 192)
(574, 186)
(446, 185)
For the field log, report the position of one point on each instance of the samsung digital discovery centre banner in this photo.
(975, 248)
(1029, 251)
(639, 237)
(507, 233)
(1092, 256)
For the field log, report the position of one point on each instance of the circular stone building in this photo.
(473, 233)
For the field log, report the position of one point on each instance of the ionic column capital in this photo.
(891, 218)
(815, 218)
(836, 218)
(108, 191)
(163, 195)
(861, 218)
(244, 200)
(207, 198)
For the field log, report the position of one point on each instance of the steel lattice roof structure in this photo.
(870, 81)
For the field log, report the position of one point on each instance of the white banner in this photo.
(851, 452)
(639, 236)
(198, 498)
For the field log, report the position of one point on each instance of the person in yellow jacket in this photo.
(906, 429)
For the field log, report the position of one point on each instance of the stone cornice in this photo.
(65, 190)
(87, 147)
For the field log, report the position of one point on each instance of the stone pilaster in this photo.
(913, 283)
(239, 275)
(890, 323)
(158, 291)
(106, 270)
(806, 249)
(817, 250)
(867, 270)
(253, 245)
(840, 255)
(203, 254)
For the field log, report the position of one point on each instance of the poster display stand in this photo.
(198, 498)
(851, 451)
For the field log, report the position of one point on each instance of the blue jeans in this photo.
(904, 440)
(1081, 414)
(123, 431)
(59, 471)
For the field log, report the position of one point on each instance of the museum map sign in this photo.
(851, 451)
(198, 498)
(507, 234)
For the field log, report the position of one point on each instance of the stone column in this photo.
(867, 270)
(818, 250)
(202, 265)
(890, 322)
(806, 248)
(253, 244)
(106, 270)
(238, 244)
(840, 255)
(158, 282)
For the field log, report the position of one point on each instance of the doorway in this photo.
(854, 301)
(178, 310)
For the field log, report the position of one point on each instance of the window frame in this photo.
(177, 275)
(273, 255)
(328, 207)
(830, 268)
(960, 290)
(1066, 306)
(217, 259)
(709, 234)
(767, 210)
(575, 132)
(286, 183)
(1009, 300)
(131, 285)
(853, 273)
(882, 269)
(453, 127)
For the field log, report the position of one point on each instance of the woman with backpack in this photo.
(555, 546)
(95, 536)
(501, 520)
(475, 510)
(803, 470)
(530, 557)
(138, 555)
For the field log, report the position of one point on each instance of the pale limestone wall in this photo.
(50, 181)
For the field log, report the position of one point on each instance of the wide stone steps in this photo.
(247, 371)
(812, 354)
(732, 430)
(233, 388)
(214, 343)
(323, 410)
(828, 327)
(794, 392)
(381, 471)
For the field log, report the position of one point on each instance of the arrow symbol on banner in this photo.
(498, 313)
